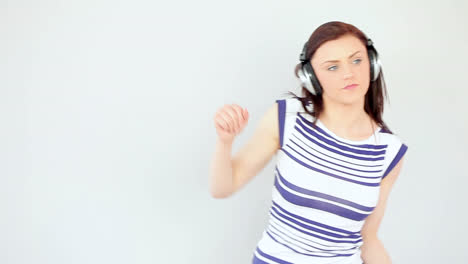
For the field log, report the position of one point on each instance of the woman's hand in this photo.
(229, 121)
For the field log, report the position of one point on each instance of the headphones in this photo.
(309, 80)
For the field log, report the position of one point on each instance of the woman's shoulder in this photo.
(292, 105)
(392, 139)
(395, 150)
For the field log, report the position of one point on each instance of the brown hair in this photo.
(374, 101)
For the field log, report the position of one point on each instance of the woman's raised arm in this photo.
(229, 174)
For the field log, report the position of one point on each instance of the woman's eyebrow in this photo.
(338, 60)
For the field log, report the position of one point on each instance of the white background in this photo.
(106, 124)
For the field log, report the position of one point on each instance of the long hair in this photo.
(377, 92)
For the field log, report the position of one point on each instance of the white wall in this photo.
(106, 128)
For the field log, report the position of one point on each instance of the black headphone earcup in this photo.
(313, 78)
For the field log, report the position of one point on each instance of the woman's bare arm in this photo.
(229, 174)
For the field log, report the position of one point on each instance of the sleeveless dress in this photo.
(324, 188)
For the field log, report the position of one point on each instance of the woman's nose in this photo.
(348, 72)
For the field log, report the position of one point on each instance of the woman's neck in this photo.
(350, 121)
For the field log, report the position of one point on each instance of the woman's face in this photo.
(341, 62)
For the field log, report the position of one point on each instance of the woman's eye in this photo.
(332, 68)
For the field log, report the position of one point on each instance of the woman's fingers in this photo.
(227, 120)
(240, 118)
(231, 118)
(232, 113)
(221, 123)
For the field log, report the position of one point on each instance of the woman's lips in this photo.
(351, 86)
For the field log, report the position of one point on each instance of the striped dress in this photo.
(324, 188)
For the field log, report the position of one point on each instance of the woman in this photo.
(336, 158)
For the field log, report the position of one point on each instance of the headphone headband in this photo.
(302, 56)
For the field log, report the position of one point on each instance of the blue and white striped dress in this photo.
(324, 188)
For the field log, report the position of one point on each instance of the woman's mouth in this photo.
(351, 86)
